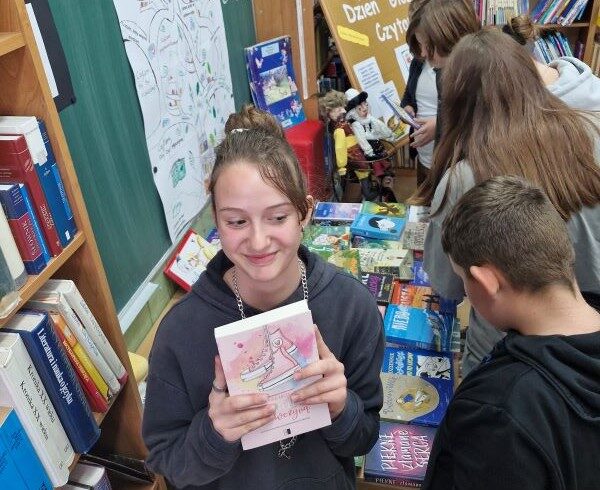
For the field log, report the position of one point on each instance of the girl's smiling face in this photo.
(259, 227)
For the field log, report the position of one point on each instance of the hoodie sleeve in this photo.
(356, 429)
(482, 446)
(183, 445)
(436, 262)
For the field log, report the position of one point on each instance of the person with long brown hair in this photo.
(500, 119)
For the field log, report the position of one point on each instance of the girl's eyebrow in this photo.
(274, 206)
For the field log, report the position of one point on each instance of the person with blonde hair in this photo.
(510, 125)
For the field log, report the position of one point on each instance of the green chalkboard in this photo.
(105, 134)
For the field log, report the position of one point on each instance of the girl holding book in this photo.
(192, 426)
(570, 79)
(510, 125)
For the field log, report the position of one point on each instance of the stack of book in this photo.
(56, 368)
(36, 221)
(422, 332)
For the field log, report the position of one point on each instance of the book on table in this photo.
(260, 354)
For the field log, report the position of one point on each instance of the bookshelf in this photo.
(25, 92)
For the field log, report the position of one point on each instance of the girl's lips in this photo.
(261, 259)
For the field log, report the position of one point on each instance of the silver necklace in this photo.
(283, 446)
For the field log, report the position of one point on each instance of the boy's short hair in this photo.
(510, 224)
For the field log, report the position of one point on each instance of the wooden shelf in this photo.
(560, 26)
(10, 41)
(35, 282)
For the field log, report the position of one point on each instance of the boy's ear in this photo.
(487, 278)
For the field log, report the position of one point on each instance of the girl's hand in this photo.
(425, 134)
(234, 416)
(331, 388)
(410, 109)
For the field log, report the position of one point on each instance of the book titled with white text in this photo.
(260, 354)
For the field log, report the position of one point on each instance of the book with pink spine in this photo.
(260, 354)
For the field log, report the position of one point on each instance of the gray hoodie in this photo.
(576, 86)
(182, 441)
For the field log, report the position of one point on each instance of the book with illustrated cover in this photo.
(349, 260)
(411, 295)
(260, 354)
(400, 455)
(336, 212)
(417, 385)
(414, 235)
(380, 285)
(406, 326)
(396, 209)
(420, 277)
(377, 226)
(272, 80)
(325, 238)
(364, 242)
(189, 260)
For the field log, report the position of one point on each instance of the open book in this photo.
(261, 354)
(399, 112)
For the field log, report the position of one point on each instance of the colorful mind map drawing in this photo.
(178, 54)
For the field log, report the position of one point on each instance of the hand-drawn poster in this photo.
(178, 54)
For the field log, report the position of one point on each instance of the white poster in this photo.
(178, 54)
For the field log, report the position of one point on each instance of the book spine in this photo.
(17, 166)
(36, 225)
(53, 188)
(23, 454)
(22, 389)
(21, 224)
(392, 480)
(9, 298)
(82, 368)
(61, 383)
(62, 306)
(89, 322)
(10, 251)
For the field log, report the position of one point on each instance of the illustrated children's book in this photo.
(400, 455)
(190, 260)
(324, 238)
(377, 226)
(417, 385)
(260, 354)
(384, 208)
(380, 285)
(336, 212)
(410, 327)
(349, 260)
(272, 80)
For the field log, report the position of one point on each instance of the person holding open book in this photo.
(192, 426)
(510, 125)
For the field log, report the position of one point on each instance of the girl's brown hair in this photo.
(415, 10)
(523, 30)
(444, 22)
(254, 136)
(499, 117)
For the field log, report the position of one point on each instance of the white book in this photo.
(68, 288)
(57, 303)
(89, 476)
(22, 388)
(11, 252)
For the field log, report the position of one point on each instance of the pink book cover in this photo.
(260, 354)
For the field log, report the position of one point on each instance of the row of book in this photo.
(382, 245)
(563, 12)
(498, 12)
(553, 46)
(36, 221)
(56, 368)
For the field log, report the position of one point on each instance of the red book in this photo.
(16, 165)
(92, 394)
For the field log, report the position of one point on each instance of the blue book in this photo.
(58, 377)
(36, 224)
(54, 190)
(417, 385)
(334, 212)
(21, 225)
(420, 277)
(272, 80)
(14, 440)
(378, 226)
(407, 326)
(9, 475)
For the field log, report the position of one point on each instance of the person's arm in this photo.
(183, 445)
(482, 446)
(435, 261)
(356, 429)
(361, 138)
(341, 150)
